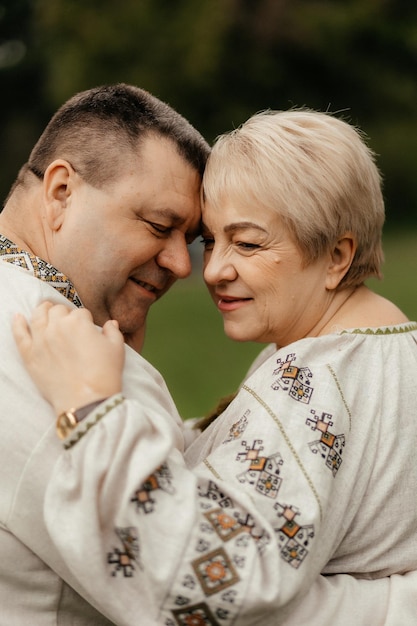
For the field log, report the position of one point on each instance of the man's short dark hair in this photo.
(94, 129)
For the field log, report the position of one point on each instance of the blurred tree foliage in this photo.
(219, 61)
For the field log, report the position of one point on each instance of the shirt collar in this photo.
(38, 268)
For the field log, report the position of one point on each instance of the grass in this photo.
(185, 339)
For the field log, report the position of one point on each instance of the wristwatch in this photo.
(68, 420)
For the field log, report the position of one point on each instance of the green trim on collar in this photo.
(384, 330)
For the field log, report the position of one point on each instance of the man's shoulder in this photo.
(18, 285)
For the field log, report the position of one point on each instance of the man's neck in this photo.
(14, 237)
(19, 223)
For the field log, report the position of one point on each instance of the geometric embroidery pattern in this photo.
(229, 524)
(195, 615)
(258, 534)
(263, 471)
(215, 572)
(214, 494)
(293, 539)
(224, 524)
(124, 560)
(329, 446)
(160, 479)
(39, 268)
(295, 380)
(228, 527)
(238, 428)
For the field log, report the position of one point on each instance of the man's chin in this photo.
(136, 339)
(132, 321)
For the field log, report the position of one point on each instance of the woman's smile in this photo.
(225, 304)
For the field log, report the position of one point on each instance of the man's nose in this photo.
(176, 257)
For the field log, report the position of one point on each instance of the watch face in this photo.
(66, 423)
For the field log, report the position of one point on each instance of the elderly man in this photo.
(100, 217)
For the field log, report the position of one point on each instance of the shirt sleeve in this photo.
(343, 600)
(233, 539)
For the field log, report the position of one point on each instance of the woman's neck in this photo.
(359, 307)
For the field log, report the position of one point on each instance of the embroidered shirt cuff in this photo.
(92, 419)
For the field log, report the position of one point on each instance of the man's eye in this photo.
(162, 230)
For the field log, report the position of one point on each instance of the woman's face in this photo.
(256, 276)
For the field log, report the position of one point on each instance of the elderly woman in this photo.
(312, 468)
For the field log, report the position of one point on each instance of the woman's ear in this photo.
(57, 189)
(341, 257)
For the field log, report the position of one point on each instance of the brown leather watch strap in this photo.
(68, 420)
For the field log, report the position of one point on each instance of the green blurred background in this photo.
(217, 62)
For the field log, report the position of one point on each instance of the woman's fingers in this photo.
(72, 361)
(112, 332)
(22, 335)
(40, 314)
(58, 312)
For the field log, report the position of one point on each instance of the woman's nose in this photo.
(217, 267)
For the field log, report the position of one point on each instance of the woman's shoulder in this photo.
(340, 349)
(368, 309)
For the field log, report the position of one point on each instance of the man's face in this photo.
(124, 245)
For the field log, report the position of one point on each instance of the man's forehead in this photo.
(153, 143)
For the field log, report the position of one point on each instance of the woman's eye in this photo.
(246, 245)
(207, 242)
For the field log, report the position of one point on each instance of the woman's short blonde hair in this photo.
(316, 171)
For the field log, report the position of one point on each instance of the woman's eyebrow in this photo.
(242, 226)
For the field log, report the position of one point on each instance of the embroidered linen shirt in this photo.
(37, 587)
(311, 469)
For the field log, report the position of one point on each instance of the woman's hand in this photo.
(72, 361)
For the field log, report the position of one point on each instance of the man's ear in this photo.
(57, 189)
(341, 257)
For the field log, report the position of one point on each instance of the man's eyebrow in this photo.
(167, 213)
